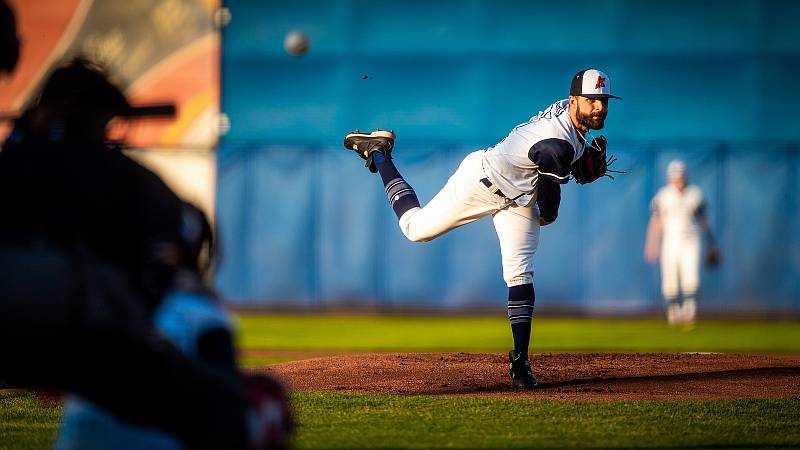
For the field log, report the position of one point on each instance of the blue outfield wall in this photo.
(302, 222)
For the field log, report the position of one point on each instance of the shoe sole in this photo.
(349, 140)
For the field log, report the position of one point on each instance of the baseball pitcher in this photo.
(517, 182)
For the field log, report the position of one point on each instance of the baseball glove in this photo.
(270, 413)
(593, 164)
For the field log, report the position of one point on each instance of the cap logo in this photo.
(601, 82)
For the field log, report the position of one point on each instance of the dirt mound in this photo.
(562, 376)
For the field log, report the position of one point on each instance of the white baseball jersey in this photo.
(679, 212)
(528, 167)
(546, 145)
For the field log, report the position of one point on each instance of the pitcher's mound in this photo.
(562, 376)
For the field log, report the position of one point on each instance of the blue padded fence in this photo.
(311, 227)
(303, 223)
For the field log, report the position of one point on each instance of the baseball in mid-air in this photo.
(296, 43)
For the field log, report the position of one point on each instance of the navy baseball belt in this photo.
(492, 187)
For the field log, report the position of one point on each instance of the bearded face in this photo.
(591, 113)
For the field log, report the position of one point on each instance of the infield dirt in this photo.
(562, 376)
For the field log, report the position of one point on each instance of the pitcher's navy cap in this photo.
(591, 83)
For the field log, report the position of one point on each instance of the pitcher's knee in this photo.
(410, 231)
(415, 237)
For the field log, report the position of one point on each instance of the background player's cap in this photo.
(675, 168)
(591, 83)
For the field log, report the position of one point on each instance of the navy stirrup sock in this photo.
(401, 196)
(520, 313)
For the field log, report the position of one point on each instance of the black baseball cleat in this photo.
(365, 144)
(520, 370)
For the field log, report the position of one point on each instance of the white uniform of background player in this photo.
(678, 220)
(517, 182)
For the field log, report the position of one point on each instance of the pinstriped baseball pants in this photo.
(464, 199)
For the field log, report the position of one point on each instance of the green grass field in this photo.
(328, 420)
(492, 334)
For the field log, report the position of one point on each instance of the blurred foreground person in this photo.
(191, 318)
(677, 226)
(88, 246)
(9, 41)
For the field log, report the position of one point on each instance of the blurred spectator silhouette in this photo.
(9, 41)
(192, 319)
(89, 244)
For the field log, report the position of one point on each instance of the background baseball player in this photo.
(677, 224)
(517, 182)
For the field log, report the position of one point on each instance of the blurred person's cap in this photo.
(81, 88)
(675, 168)
(591, 83)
